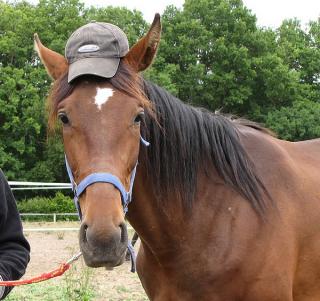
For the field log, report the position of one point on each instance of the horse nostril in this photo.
(124, 233)
(85, 228)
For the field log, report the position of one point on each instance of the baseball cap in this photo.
(95, 48)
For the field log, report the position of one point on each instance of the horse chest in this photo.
(219, 273)
(186, 281)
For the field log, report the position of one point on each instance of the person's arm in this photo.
(14, 248)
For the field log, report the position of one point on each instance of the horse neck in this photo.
(160, 223)
(166, 229)
(190, 158)
(149, 218)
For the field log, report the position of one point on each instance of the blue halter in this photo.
(103, 177)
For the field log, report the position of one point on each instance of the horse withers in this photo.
(225, 210)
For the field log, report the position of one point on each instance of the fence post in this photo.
(54, 218)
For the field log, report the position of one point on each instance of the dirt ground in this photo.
(49, 249)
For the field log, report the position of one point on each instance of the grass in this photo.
(60, 235)
(77, 283)
(68, 290)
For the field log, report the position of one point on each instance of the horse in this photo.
(225, 210)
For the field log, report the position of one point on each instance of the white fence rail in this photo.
(54, 219)
(54, 229)
(49, 229)
(20, 185)
(54, 215)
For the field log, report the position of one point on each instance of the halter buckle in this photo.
(74, 186)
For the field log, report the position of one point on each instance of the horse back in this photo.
(283, 164)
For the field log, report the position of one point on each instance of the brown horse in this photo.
(225, 211)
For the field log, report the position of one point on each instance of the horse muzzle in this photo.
(103, 247)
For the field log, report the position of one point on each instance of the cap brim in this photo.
(103, 67)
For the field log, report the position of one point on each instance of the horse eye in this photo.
(139, 117)
(63, 118)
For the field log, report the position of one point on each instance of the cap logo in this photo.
(88, 48)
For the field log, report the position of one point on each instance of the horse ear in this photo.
(55, 63)
(141, 54)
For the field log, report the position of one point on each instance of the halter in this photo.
(105, 177)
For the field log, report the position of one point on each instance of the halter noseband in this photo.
(105, 177)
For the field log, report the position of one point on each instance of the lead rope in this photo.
(45, 276)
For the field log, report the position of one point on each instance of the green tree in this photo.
(131, 22)
(23, 81)
(301, 121)
(21, 120)
(213, 54)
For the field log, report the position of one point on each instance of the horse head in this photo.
(100, 120)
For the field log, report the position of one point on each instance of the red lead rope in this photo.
(45, 276)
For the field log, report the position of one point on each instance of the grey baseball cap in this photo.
(95, 48)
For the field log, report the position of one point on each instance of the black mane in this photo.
(185, 139)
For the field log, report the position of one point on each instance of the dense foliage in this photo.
(212, 54)
(56, 204)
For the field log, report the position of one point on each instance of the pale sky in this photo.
(270, 13)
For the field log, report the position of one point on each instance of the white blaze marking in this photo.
(102, 96)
